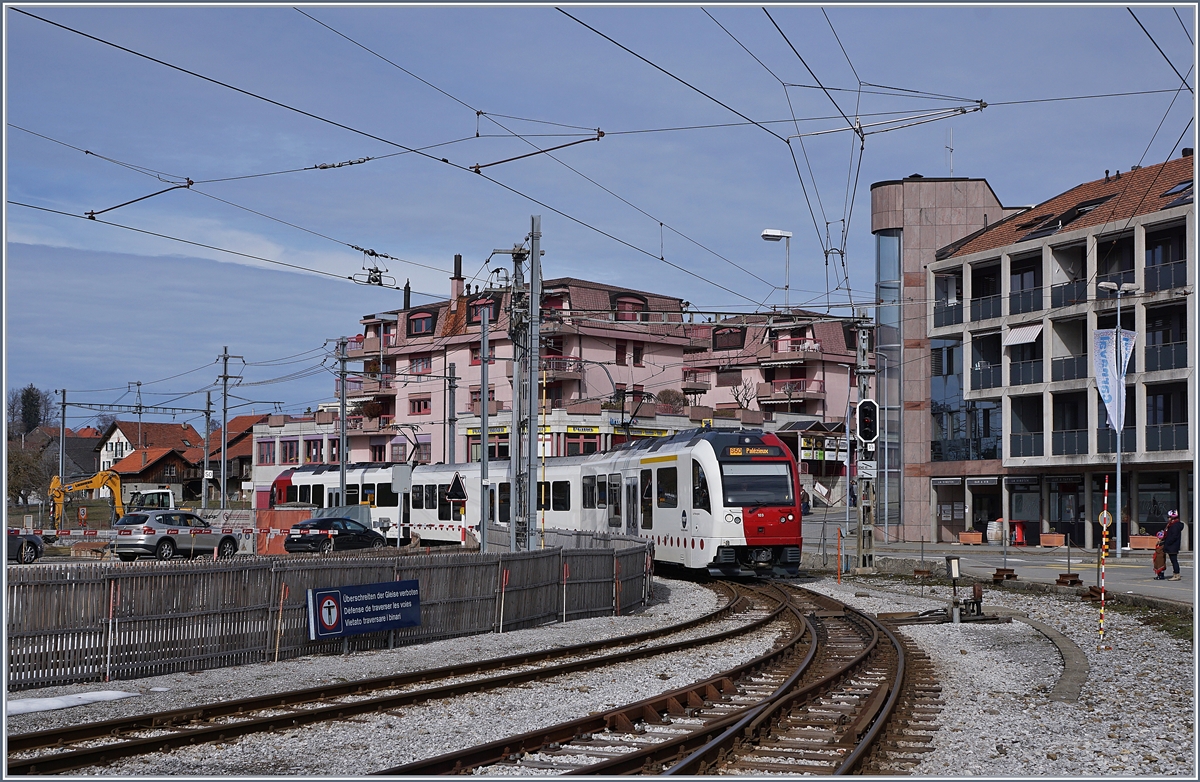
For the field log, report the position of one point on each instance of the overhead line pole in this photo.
(535, 317)
(225, 422)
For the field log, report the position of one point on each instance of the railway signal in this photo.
(867, 421)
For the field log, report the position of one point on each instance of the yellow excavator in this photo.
(105, 479)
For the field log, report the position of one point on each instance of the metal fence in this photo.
(114, 620)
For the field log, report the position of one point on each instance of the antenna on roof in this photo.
(950, 146)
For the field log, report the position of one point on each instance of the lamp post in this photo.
(1119, 290)
(774, 235)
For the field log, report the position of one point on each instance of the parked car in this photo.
(308, 536)
(24, 548)
(165, 534)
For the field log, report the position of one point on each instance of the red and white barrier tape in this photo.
(114, 533)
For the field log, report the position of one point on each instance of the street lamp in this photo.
(774, 235)
(1119, 290)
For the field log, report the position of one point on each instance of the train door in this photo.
(631, 505)
(700, 515)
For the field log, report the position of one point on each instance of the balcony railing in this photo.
(947, 314)
(781, 390)
(1167, 437)
(1106, 440)
(354, 422)
(1115, 277)
(985, 307)
(695, 382)
(1068, 368)
(1166, 276)
(353, 387)
(796, 345)
(1024, 372)
(1026, 444)
(1069, 441)
(560, 365)
(1030, 300)
(1068, 293)
(990, 376)
(1172, 355)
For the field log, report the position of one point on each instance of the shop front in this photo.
(950, 508)
(1067, 508)
(985, 501)
(1024, 509)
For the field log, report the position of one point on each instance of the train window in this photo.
(318, 495)
(443, 503)
(351, 495)
(491, 493)
(758, 483)
(543, 495)
(589, 491)
(292, 494)
(431, 496)
(602, 492)
(304, 494)
(417, 498)
(505, 502)
(700, 499)
(386, 497)
(614, 500)
(560, 495)
(668, 487)
(647, 499)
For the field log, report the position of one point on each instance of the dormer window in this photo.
(629, 308)
(476, 309)
(420, 323)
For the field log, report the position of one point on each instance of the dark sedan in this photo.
(24, 548)
(314, 535)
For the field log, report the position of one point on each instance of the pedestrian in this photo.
(1171, 540)
(1160, 559)
(804, 501)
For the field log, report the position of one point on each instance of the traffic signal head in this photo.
(867, 421)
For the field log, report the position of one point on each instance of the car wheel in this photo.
(28, 554)
(127, 557)
(165, 550)
(377, 543)
(326, 546)
(227, 549)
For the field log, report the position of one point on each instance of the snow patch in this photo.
(28, 705)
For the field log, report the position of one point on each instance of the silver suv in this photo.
(165, 534)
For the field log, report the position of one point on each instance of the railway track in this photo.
(814, 704)
(98, 743)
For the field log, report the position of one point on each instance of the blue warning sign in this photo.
(336, 612)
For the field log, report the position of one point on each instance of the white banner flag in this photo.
(1108, 377)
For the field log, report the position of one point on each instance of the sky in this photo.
(703, 148)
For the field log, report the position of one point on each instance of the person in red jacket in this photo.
(1171, 541)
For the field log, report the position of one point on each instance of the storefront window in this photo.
(1158, 493)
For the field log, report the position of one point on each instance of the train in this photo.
(725, 501)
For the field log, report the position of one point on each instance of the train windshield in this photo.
(757, 483)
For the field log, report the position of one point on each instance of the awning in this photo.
(1022, 335)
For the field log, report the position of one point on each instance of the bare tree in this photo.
(746, 393)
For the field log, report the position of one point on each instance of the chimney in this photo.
(1187, 152)
(456, 283)
(407, 296)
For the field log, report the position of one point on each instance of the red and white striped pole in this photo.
(1104, 522)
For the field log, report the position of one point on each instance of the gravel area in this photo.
(1135, 716)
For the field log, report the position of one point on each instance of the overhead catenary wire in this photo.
(1160, 51)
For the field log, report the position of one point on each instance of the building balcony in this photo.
(561, 368)
(1118, 278)
(784, 391)
(1166, 276)
(985, 308)
(1068, 442)
(695, 382)
(1172, 355)
(1030, 300)
(493, 407)
(947, 313)
(354, 423)
(792, 349)
(1022, 373)
(1068, 293)
(1106, 440)
(1068, 368)
(354, 387)
(987, 376)
(375, 386)
(1026, 444)
(1167, 437)
(965, 449)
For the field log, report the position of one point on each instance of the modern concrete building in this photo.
(986, 366)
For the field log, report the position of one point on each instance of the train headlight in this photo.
(729, 517)
(791, 517)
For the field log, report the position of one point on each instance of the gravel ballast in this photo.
(1135, 714)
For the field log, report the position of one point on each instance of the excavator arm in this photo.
(105, 479)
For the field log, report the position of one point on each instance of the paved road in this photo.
(1132, 573)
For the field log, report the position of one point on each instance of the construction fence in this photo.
(113, 620)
